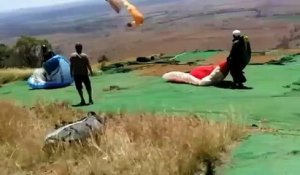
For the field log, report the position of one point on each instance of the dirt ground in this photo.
(255, 58)
(160, 69)
(174, 37)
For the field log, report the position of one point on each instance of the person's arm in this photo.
(89, 65)
(71, 66)
(232, 51)
(249, 47)
(230, 54)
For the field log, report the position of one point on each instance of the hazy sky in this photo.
(16, 4)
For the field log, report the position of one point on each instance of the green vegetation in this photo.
(271, 106)
(5, 54)
(25, 53)
(27, 49)
(140, 144)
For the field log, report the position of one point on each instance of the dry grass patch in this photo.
(8, 75)
(13, 74)
(131, 144)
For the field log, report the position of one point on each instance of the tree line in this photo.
(25, 53)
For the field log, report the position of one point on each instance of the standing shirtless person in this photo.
(79, 68)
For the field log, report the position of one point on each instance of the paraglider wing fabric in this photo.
(210, 74)
(137, 16)
(215, 76)
(202, 71)
(65, 71)
(224, 68)
(37, 79)
(59, 69)
(115, 4)
(51, 65)
(200, 76)
(181, 77)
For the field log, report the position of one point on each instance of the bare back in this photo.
(79, 64)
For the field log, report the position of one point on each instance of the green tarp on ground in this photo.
(154, 94)
(277, 153)
(273, 99)
(266, 154)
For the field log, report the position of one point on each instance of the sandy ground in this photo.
(159, 70)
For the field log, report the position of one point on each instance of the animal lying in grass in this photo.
(89, 126)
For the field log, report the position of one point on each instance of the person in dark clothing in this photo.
(46, 53)
(239, 58)
(79, 67)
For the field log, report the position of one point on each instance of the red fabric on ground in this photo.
(202, 71)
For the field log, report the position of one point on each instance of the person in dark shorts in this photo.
(79, 67)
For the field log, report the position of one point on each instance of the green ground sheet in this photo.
(275, 99)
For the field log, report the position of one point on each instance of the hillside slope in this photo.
(169, 27)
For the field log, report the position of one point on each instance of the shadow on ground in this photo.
(228, 85)
(223, 85)
(81, 105)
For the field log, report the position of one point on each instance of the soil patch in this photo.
(159, 69)
(114, 88)
(256, 58)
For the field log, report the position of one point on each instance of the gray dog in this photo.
(80, 130)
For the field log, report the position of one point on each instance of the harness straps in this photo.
(246, 41)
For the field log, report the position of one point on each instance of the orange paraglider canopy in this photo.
(138, 17)
(115, 4)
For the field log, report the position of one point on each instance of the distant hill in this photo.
(171, 25)
(92, 15)
(71, 17)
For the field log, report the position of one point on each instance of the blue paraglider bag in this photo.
(51, 65)
(58, 70)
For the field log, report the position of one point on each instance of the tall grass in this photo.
(132, 145)
(12, 74)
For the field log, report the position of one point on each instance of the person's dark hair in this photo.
(78, 47)
(44, 48)
(129, 24)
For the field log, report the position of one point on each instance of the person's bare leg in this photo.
(78, 84)
(89, 90)
(82, 101)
